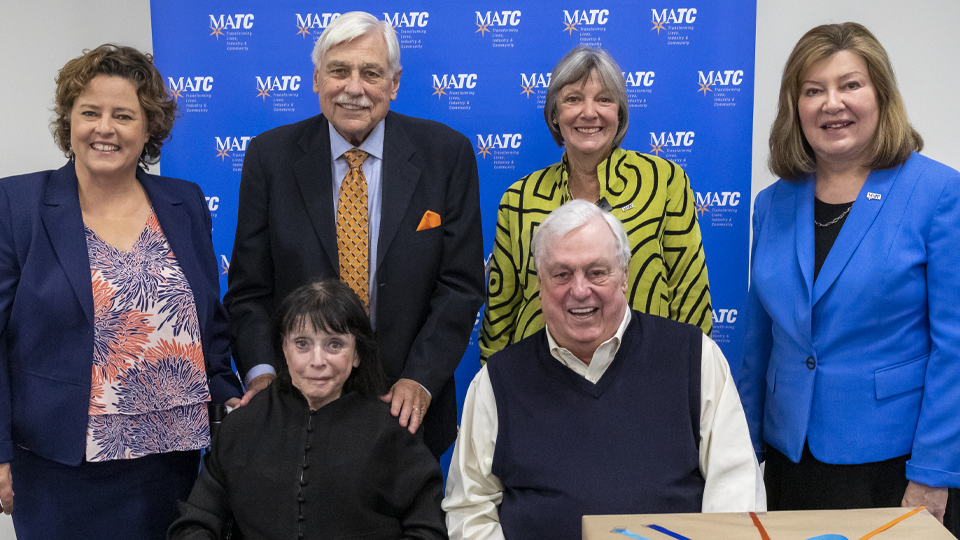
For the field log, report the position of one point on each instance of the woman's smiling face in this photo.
(587, 116)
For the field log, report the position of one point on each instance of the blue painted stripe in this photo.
(629, 534)
(667, 532)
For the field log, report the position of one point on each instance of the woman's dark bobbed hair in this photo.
(331, 306)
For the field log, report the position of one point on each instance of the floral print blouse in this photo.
(149, 388)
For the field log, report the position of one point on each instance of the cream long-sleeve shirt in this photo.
(729, 466)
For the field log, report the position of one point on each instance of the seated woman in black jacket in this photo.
(317, 455)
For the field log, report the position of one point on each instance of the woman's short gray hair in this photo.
(573, 215)
(576, 67)
(352, 25)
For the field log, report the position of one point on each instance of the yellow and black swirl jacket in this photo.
(653, 200)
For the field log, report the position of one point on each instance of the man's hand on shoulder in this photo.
(257, 384)
(409, 402)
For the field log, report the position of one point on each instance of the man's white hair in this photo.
(352, 25)
(573, 215)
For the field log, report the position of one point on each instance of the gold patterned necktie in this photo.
(352, 228)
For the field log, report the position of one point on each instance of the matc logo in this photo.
(497, 19)
(719, 78)
(213, 203)
(410, 27)
(724, 316)
(313, 20)
(457, 87)
(716, 199)
(584, 17)
(230, 22)
(487, 143)
(723, 325)
(720, 205)
(189, 84)
(670, 139)
(458, 81)
(233, 148)
(535, 84)
(503, 148)
(194, 91)
(639, 86)
(412, 19)
(231, 144)
(589, 23)
(678, 21)
(234, 28)
(281, 89)
(723, 84)
(534, 80)
(501, 25)
(672, 16)
(635, 79)
(280, 83)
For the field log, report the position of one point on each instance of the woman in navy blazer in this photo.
(112, 335)
(851, 371)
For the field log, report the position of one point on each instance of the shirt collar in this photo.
(602, 357)
(373, 144)
(615, 156)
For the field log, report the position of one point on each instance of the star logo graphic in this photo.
(482, 29)
(655, 149)
(658, 26)
(263, 93)
(527, 90)
(222, 153)
(224, 264)
(705, 87)
(439, 91)
(484, 151)
(175, 93)
(304, 30)
(571, 26)
(701, 208)
(217, 31)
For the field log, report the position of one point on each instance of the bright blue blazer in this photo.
(47, 313)
(864, 363)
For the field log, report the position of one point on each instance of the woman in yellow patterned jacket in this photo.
(586, 112)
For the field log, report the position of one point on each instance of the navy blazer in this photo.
(864, 363)
(47, 310)
(430, 283)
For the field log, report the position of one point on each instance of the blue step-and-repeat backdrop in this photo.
(483, 68)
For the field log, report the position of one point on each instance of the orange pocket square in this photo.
(430, 220)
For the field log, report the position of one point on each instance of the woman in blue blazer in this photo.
(851, 371)
(112, 335)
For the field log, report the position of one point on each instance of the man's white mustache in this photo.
(353, 102)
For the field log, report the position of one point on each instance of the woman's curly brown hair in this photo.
(116, 61)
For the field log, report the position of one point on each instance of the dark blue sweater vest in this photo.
(627, 445)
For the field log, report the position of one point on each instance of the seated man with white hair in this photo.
(605, 411)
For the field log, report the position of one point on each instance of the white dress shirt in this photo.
(734, 482)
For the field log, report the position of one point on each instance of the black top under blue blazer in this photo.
(47, 310)
(430, 283)
(863, 364)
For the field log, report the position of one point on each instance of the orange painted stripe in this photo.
(892, 523)
(756, 521)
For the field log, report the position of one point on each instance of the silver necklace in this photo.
(836, 219)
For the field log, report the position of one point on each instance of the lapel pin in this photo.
(873, 196)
